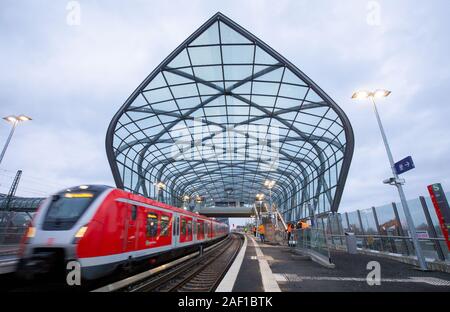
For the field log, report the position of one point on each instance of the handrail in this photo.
(384, 236)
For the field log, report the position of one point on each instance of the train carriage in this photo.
(106, 229)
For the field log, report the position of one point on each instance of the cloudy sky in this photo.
(72, 73)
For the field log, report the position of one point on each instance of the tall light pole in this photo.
(14, 120)
(158, 188)
(260, 198)
(186, 198)
(395, 180)
(199, 200)
(270, 184)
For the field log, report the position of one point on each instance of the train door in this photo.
(194, 230)
(200, 230)
(131, 228)
(175, 230)
(189, 225)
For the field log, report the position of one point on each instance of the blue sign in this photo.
(404, 165)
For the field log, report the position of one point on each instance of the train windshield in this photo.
(66, 208)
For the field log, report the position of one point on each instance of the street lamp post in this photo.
(15, 120)
(270, 184)
(259, 197)
(186, 198)
(396, 181)
(158, 189)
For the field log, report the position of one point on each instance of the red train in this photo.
(107, 229)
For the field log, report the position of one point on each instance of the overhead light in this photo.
(381, 93)
(160, 185)
(362, 94)
(83, 187)
(10, 118)
(24, 118)
(269, 183)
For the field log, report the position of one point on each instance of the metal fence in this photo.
(384, 229)
(13, 226)
(11, 235)
(312, 239)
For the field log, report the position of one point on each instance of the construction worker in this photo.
(304, 225)
(262, 232)
(254, 231)
(289, 232)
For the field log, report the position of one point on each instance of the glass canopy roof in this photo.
(222, 114)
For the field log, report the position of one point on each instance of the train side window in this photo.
(133, 212)
(152, 225)
(164, 226)
(183, 226)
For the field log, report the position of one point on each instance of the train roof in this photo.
(138, 197)
(163, 205)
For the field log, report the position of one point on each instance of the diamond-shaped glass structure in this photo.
(222, 114)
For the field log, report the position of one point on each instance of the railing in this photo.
(402, 245)
(312, 239)
(384, 229)
(11, 235)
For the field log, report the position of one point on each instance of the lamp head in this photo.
(363, 94)
(14, 119)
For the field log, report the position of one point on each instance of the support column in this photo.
(377, 223)
(400, 227)
(431, 229)
(362, 228)
(348, 222)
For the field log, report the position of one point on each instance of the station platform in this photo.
(263, 267)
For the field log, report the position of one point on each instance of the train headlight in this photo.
(31, 232)
(80, 233)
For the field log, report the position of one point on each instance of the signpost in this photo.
(442, 208)
(404, 165)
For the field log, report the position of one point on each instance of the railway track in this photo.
(200, 273)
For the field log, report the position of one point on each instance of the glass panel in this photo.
(262, 57)
(228, 35)
(181, 60)
(237, 54)
(205, 55)
(209, 36)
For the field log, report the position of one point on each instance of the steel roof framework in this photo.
(224, 111)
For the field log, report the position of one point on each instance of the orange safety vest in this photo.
(261, 229)
(289, 228)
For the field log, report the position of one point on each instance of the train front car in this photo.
(61, 221)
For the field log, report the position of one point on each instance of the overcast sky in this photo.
(71, 79)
